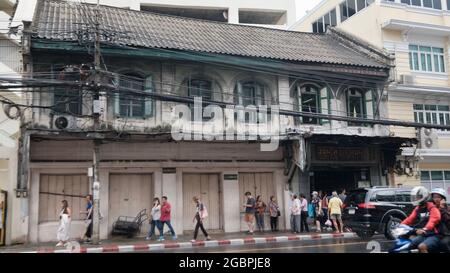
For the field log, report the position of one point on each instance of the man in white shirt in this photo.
(295, 214)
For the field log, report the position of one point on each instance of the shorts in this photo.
(336, 217)
(432, 242)
(249, 217)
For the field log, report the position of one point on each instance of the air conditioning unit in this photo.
(64, 122)
(428, 138)
(407, 79)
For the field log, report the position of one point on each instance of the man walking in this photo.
(250, 208)
(165, 217)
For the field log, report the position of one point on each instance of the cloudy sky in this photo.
(304, 5)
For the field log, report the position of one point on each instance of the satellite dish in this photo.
(428, 142)
(428, 131)
(61, 123)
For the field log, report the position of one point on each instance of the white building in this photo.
(273, 13)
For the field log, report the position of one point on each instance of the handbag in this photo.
(87, 222)
(278, 213)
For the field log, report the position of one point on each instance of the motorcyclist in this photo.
(440, 200)
(425, 218)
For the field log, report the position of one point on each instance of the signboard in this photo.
(340, 154)
(169, 170)
(230, 177)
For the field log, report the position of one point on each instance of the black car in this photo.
(377, 209)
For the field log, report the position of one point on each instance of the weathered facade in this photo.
(329, 74)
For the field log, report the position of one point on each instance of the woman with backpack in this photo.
(200, 214)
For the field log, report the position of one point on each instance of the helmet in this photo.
(419, 195)
(439, 191)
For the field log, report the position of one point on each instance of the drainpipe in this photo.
(23, 164)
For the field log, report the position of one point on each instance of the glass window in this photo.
(385, 196)
(403, 196)
(315, 27)
(320, 25)
(344, 11)
(437, 4)
(351, 5)
(437, 175)
(333, 17)
(309, 102)
(428, 3)
(425, 176)
(406, 2)
(448, 4)
(361, 4)
(447, 176)
(425, 58)
(131, 105)
(68, 100)
(416, 3)
(355, 105)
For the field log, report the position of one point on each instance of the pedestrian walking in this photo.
(63, 233)
(250, 207)
(260, 211)
(165, 218)
(274, 212)
(88, 220)
(295, 214)
(304, 214)
(335, 211)
(156, 220)
(317, 210)
(200, 215)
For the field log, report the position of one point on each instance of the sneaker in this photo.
(148, 238)
(59, 244)
(174, 237)
(160, 239)
(208, 238)
(193, 241)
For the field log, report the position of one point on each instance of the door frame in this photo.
(221, 199)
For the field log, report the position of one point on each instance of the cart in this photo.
(128, 225)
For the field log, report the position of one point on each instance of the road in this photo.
(319, 246)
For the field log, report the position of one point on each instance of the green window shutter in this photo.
(324, 104)
(298, 95)
(149, 103)
(117, 98)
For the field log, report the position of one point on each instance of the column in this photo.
(231, 202)
(171, 180)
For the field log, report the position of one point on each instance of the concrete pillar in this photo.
(231, 202)
(104, 203)
(34, 205)
(280, 187)
(233, 15)
(157, 183)
(172, 183)
(305, 184)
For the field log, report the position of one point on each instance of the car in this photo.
(367, 211)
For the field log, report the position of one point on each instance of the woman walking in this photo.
(200, 214)
(64, 224)
(156, 215)
(260, 210)
(274, 211)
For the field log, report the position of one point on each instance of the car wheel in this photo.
(390, 225)
(365, 234)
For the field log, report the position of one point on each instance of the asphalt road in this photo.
(376, 244)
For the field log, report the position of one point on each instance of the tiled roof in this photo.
(60, 20)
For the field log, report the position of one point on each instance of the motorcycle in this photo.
(402, 233)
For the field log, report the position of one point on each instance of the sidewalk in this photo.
(122, 244)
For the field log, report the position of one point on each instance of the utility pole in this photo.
(96, 114)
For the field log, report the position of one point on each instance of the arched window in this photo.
(249, 93)
(360, 104)
(130, 105)
(312, 99)
(200, 88)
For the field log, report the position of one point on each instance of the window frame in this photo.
(321, 25)
(445, 182)
(435, 4)
(424, 55)
(421, 113)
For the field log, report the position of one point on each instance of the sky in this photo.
(304, 5)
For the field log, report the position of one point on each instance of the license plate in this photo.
(351, 211)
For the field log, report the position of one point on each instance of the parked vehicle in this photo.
(376, 210)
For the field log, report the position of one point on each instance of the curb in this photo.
(198, 244)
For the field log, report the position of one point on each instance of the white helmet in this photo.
(419, 195)
(439, 191)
